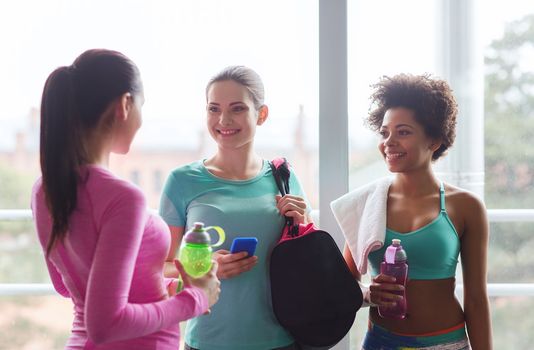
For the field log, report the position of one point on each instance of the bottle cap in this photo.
(197, 235)
(395, 253)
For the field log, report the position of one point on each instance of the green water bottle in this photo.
(195, 251)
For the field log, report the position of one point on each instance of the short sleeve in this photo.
(172, 206)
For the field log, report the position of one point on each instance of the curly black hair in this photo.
(431, 99)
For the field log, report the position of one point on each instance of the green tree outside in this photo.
(509, 157)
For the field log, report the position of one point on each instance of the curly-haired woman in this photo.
(436, 222)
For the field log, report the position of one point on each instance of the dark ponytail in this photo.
(73, 103)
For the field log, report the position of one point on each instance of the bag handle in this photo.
(281, 174)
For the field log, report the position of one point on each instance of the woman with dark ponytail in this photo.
(103, 248)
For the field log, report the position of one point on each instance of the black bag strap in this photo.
(281, 177)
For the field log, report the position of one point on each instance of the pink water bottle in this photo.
(395, 265)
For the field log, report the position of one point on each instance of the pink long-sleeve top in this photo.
(111, 266)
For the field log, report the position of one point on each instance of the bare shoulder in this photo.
(467, 207)
(463, 198)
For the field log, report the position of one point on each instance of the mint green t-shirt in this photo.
(243, 317)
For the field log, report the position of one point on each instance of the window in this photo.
(380, 42)
(509, 164)
(177, 46)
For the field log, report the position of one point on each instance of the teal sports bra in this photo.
(432, 250)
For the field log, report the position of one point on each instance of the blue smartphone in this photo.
(244, 244)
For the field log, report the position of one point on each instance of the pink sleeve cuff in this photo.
(198, 297)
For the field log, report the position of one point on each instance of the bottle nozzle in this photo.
(198, 226)
(396, 241)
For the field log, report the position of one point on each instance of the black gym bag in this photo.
(315, 297)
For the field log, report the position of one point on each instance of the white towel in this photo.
(361, 214)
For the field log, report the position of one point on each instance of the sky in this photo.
(179, 45)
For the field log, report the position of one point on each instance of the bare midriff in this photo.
(432, 306)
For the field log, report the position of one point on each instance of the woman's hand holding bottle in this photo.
(209, 282)
(384, 291)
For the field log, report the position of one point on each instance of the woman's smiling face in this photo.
(403, 141)
(232, 117)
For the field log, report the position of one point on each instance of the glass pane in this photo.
(21, 258)
(178, 46)
(35, 322)
(512, 322)
(509, 171)
(510, 258)
(509, 101)
(383, 43)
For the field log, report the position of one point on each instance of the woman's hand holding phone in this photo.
(234, 264)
